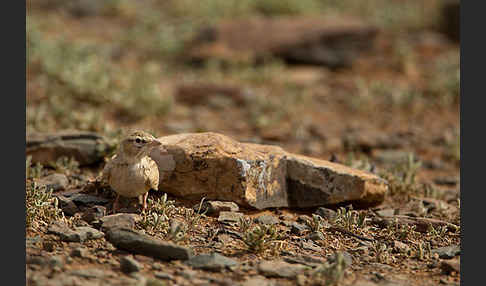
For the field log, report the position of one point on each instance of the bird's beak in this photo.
(156, 143)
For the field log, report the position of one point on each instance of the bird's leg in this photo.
(145, 196)
(115, 204)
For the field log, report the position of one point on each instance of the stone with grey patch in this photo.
(214, 166)
(137, 243)
(212, 262)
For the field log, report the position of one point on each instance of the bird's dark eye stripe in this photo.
(138, 140)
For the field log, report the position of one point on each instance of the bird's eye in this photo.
(138, 140)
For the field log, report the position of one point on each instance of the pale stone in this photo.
(217, 167)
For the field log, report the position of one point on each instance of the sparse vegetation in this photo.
(119, 63)
(156, 219)
(350, 219)
(401, 177)
(66, 165)
(315, 224)
(32, 171)
(382, 253)
(41, 207)
(260, 237)
(330, 274)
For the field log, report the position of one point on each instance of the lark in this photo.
(131, 172)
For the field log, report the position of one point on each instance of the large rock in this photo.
(329, 41)
(214, 166)
(86, 147)
(138, 243)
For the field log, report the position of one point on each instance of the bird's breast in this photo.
(129, 180)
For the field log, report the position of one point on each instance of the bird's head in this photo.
(138, 144)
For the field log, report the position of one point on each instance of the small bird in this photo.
(131, 172)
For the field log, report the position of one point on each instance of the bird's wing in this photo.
(106, 174)
(152, 175)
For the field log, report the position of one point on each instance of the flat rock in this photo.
(326, 213)
(303, 261)
(213, 208)
(129, 265)
(212, 262)
(89, 273)
(120, 220)
(453, 265)
(67, 205)
(310, 245)
(348, 258)
(316, 235)
(85, 147)
(447, 252)
(94, 213)
(80, 252)
(280, 269)
(214, 166)
(297, 228)
(79, 234)
(386, 212)
(86, 199)
(55, 182)
(267, 219)
(330, 41)
(137, 243)
(163, 275)
(231, 217)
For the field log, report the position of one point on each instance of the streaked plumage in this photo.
(131, 172)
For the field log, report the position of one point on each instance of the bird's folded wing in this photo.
(151, 174)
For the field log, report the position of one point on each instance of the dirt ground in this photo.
(399, 99)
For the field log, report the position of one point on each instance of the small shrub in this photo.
(260, 237)
(41, 206)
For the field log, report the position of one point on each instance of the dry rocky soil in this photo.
(388, 106)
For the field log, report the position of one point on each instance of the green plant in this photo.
(350, 219)
(382, 252)
(41, 206)
(438, 232)
(32, 171)
(193, 217)
(333, 273)
(66, 165)
(260, 237)
(156, 218)
(315, 224)
(244, 224)
(423, 251)
(401, 177)
(400, 231)
(178, 231)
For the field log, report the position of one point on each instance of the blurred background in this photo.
(365, 83)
